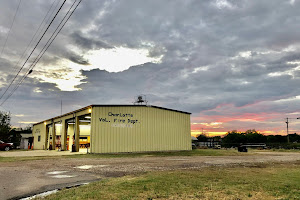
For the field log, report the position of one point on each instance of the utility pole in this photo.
(287, 129)
(60, 112)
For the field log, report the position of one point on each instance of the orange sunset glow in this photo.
(227, 117)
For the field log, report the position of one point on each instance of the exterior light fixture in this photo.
(45, 123)
(90, 110)
(82, 120)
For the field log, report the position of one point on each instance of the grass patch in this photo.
(196, 152)
(280, 181)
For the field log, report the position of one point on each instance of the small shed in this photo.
(26, 140)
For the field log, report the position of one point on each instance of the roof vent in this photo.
(140, 99)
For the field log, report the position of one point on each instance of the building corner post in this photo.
(77, 133)
(64, 135)
(53, 136)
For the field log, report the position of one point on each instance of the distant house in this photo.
(26, 140)
(21, 138)
(210, 142)
(194, 140)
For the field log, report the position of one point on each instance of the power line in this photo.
(33, 49)
(10, 28)
(34, 63)
(36, 60)
(30, 69)
(35, 34)
(38, 32)
(48, 19)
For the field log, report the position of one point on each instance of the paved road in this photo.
(25, 178)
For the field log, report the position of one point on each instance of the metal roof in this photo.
(130, 105)
(111, 105)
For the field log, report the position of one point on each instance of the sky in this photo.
(235, 65)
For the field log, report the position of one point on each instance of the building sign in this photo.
(121, 120)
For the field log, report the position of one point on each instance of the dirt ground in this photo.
(25, 178)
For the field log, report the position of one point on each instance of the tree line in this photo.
(235, 138)
(7, 132)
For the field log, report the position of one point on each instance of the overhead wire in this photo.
(10, 28)
(46, 46)
(48, 19)
(38, 58)
(33, 50)
(37, 33)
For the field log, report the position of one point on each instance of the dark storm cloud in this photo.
(78, 59)
(294, 56)
(88, 43)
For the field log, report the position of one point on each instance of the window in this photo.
(39, 138)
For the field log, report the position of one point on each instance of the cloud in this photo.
(79, 60)
(88, 43)
(234, 62)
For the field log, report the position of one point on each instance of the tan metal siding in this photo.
(155, 130)
(39, 130)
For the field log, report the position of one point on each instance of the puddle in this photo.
(63, 176)
(85, 167)
(89, 166)
(101, 165)
(56, 172)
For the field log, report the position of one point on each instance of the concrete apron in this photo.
(33, 153)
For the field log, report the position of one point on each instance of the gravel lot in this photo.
(19, 179)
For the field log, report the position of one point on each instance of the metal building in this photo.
(115, 128)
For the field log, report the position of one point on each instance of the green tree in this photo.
(233, 138)
(5, 126)
(253, 136)
(202, 138)
(294, 138)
